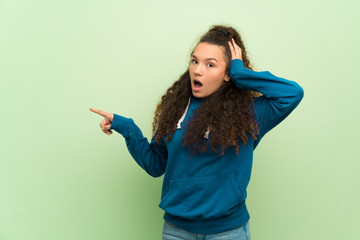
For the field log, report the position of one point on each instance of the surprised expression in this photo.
(207, 69)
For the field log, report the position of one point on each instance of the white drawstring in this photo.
(182, 119)
(183, 116)
(207, 133)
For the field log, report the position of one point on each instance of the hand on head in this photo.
(106, 123)
(235, 50)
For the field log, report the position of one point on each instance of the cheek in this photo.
(219, 78)
(216, 83)
(190, 70)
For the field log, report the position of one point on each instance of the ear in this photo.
(227, 77)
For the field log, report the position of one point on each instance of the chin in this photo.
(196, 94)
(199, 95)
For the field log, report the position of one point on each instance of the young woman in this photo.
(205, 130)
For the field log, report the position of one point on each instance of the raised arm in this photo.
(279, 95)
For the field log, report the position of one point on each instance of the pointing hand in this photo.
(106, 123)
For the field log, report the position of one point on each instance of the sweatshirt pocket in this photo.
(202, 197)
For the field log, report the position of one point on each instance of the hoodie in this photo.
(205, 193)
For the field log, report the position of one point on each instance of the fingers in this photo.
(105, 124)
(232, 50)
(235, 50)
(108, 116)
(102, 113)
(108, 120)
(108, 132)
(105, 127)
(236, 47)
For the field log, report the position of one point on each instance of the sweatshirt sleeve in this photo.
(152, 157)
(279, 95)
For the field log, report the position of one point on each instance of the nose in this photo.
(198, 70)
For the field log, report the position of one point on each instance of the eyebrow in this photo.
(205, 59)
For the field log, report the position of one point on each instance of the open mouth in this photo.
(197, 84)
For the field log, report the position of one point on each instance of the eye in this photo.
(194, 61)
(210, 65)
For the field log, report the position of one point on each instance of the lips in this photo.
(196, 84)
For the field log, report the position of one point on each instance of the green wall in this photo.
(62, 178)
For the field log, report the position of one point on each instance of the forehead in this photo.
(206, 50)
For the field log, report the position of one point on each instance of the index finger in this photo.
(232, 50)
(102, 113)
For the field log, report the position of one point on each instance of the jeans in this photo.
(171, 232)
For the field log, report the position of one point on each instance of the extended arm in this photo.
(152, 157)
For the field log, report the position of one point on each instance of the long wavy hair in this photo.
(228, 113)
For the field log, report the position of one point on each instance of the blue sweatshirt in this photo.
(206, 193)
